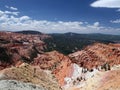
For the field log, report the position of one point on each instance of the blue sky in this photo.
(60, 16)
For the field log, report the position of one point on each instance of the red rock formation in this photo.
(97, 55)
(18, 48)
(59, 64)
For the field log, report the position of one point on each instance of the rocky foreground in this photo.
(25, 66)
(17, 85)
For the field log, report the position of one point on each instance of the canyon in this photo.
(25, 64)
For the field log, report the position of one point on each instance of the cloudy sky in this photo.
(60, 16)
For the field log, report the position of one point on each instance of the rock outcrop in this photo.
(30, 74)
(97, 55)
(59, 64)
(17, 85)
(18, 48)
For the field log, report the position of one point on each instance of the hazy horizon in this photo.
(57, 32)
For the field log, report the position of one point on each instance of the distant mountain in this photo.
(29, 32)
(70, 42)
(96, 36)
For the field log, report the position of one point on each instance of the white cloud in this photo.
(118, 10)
(12, 13)
(13, 22)
(115, 21)
(24, 18)
(11, 8)
(8, 13)
(106, 3)
(96, 24)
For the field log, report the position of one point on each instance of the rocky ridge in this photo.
(97, 55)
(18, 48)
(56, 62)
